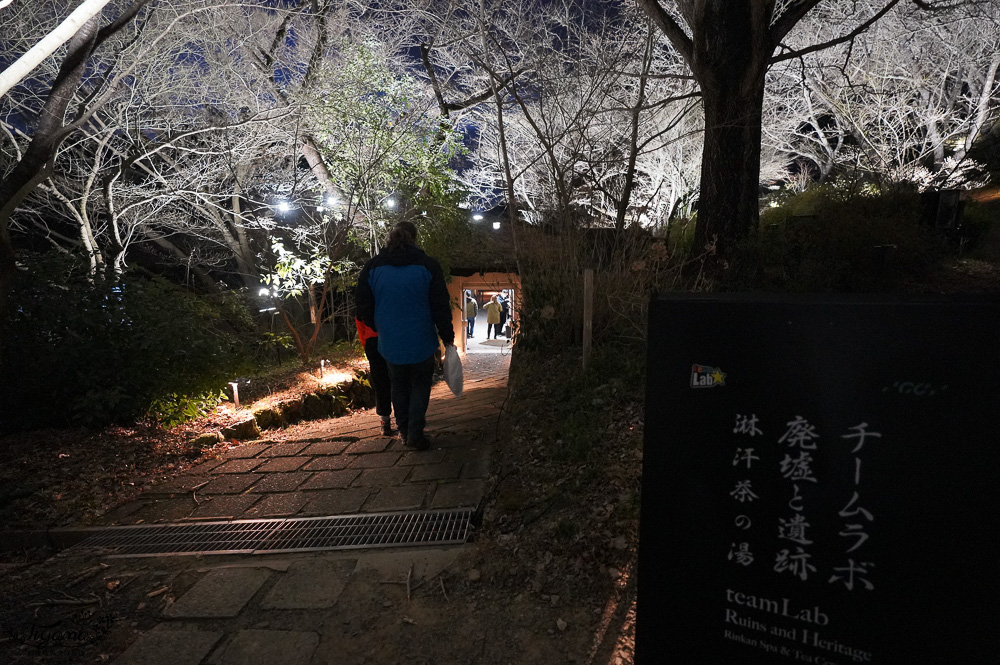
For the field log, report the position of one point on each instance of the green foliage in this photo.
(292, 273)
(83, 352)
(827, 241)
(173, 409)
(383, 138)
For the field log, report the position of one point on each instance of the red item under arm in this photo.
(364, 332)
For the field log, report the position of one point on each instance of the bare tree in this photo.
(728, 46)
(903, 103)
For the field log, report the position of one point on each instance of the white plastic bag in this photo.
(453, 370)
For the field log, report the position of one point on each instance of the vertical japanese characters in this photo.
(795, 454)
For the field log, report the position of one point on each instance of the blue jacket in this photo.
(402, 294)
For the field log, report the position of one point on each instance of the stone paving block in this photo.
(463, 493)
(381, 477)
(375, 460)
(326, 448)
(410, 497)
(310, 585)
(220, 593)
(124, 511)
(470, 454)
(280, 464)
(329, 463)
(170, 647)
(277, 505)
(335, 502)
(270, 647)
(178, 485)
(449, 440)
(163, 510)
(373, 445)
(238, 466)
(204, 467)
(325, 480)
(281, 482)
(230, 483)
(242, 452)
(422, 457)
(442, 471)
(479, 468)
(225, 506)
(285, 449)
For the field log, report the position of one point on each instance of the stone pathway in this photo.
(304, 609)
(343, 465)
(310, 608)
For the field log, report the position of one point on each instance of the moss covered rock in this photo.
(316, 406)
(269, 418)
(206, 440)
(291, 411)
(242, 431)
(360, 394)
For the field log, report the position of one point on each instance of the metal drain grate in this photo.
(297, 534)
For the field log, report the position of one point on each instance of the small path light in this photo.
(390, 203)
(478, 217)
(284, 206)
(496, 226)
(322, 368)
(236, 393)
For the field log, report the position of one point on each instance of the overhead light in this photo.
(496, 225)
(390, 203)
(284, 206)
(477, 217)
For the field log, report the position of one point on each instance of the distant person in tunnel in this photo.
(402, 295)
(471, 310)
(492, 317)
(504, 311)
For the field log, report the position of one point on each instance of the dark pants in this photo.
(411, 393)
(495, 327)
(503, 322)
(472, 326)
(379, 377)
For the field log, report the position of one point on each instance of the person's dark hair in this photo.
(403, 232)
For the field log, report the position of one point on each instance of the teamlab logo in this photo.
(703, 376)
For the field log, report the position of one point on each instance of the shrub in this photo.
(77, 351)
(822, 241)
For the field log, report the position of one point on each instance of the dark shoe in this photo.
(386, 428)
(420, 444)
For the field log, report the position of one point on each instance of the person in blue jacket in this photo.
(402, 295)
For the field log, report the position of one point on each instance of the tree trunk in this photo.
(35, 165)
(729, 59)
(730, 166)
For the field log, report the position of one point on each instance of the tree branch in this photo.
(669, 28)
(840, 40)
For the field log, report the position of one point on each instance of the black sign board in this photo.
(821, 481)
